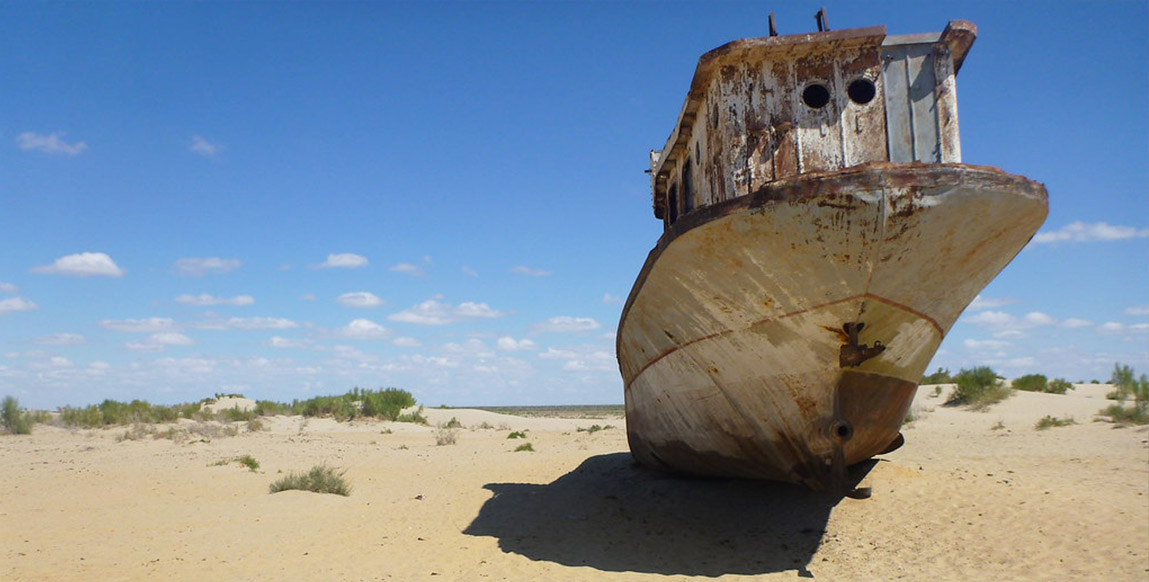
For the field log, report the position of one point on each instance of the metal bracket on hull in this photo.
(852, 355)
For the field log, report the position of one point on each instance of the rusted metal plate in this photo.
(729, 342)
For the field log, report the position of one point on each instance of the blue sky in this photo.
(288, 200)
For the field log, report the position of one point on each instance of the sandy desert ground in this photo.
(971, 496)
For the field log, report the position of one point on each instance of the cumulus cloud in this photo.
(433, 312)
(203, 147)
(246, 323)
(509, 344)
(406, 342)
(52, 143)
(986, 344)
(16, 304)
(1115, 328)
(608, 298)
(359, 299)
(1090, 232)
(198, 267)
(82, 265)
(60, 339)
(204, 299)
(147, 325)
(8, 288)
(343, 261)
(980, 303)
(282, 342)
(407, 268)
(1074, 323)
(566, 324)
(1137, 310)
(157, 342)
(1001, 320)
(524, 270)
(363, 329)
(582, 359)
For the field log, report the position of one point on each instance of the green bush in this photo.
(320, 479)
(525, 447)
(1050, 422)
(517, 435)
(249, 462)
(1123, 382)
(1139, 412)
(978, 388)
(942, 376)
(1032, 383)
(415, 416)
(12, 420)
(1058, 386)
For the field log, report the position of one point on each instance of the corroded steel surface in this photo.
(729, 343)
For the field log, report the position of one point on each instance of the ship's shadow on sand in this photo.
(613, 515)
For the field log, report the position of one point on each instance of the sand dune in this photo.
(971, 496)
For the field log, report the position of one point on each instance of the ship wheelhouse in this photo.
(770, 109)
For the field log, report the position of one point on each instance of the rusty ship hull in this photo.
(731, 342)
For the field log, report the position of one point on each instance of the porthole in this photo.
(861, 91)
(816, 96)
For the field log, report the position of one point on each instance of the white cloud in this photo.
(509, 344)
(582, 360)
(204, 299)
(246, 323)
(157, 342)
(82, 265)
(471, 348)
(1135, 310)
(359, 299)
(608, 298)
(986, 344)
(51, 143)
(282, 342)
(308, 297)
(1114, 328)
(980, 303)
(8, 288)
(363, 329)
(524, 270)
(16, 304)
(432, 312)
(60, 339)
(343, 260)
(149, 325)
(203, 147)
(470, 271)
(1000, 320)
(408, 269)
(1074, 323)
(198, 267)
(566, 324)
(1090, 232)
(406, 342)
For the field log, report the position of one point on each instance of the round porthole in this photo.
(816, 96)
(861, 91)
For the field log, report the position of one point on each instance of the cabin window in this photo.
(672, 204)
(816, 96)
(687, 187)
(861, 91)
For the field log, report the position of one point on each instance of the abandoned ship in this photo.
(821, 236)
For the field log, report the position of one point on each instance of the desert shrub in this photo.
(517, 435)
(385, 404)
(978, 388)
(1139, 412)
(1031, 383)
(415, 416)
(1050, 422)
(255, 425)
(594, 428)
(446, 435)
(12, 419)
(237, 415)
(942, 376)
(1058, 386)
(320, 479)
(271, 408)
(1123, 382)
(138, 431)
(525, 447)
(453, 423)
(249, 462)
(483, 426)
